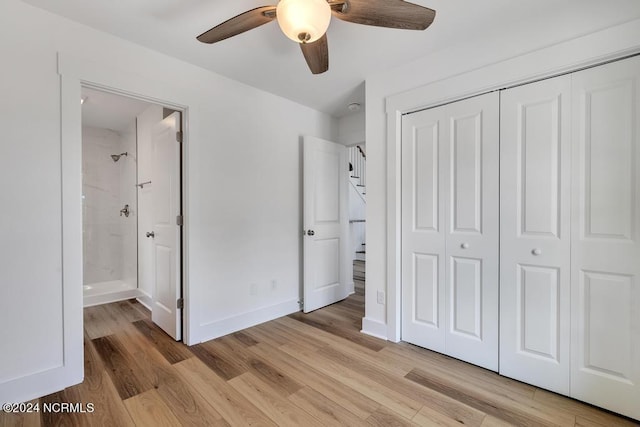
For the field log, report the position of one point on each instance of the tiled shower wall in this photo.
(109, 239)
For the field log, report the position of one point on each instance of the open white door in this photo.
(166, 308)
(326, 224)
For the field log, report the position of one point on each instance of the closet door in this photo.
(472, 145)
(449, 229)
(424, 162)
(535, 233)
(605, 238)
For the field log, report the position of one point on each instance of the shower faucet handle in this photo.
(125, 211)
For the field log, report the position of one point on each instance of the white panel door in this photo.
(326, 224)
(423, 229)
(606, 237)
(166, 231)
(450, 229)
(472, 207)
(535, 232)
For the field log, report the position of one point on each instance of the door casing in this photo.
(74, 73)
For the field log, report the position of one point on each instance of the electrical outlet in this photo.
(380, 296)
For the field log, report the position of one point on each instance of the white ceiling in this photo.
(266, 59)
(109, 111)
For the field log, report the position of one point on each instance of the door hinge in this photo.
(179, 136)
(180, 303)
(179, 220)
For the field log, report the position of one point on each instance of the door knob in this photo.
(311, 233)
(536, 251)
(151, 234)
(464, 245)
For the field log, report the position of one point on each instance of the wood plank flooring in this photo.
(312, 369)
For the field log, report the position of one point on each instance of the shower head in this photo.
(116, 157)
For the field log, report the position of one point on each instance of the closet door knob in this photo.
(464, 245)
(536, 251)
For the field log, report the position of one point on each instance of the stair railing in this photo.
(357, 159)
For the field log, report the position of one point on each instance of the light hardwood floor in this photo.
(301, 370)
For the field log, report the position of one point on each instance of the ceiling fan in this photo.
(306, 22)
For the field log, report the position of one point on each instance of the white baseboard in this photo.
(375, 328)
(351, 288)
(145, 299)
(236, 323)
(90, 301)
(38, 384)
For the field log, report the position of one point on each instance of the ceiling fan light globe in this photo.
(303, 21)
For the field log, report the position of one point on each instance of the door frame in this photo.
(76, 73)
(585, 52)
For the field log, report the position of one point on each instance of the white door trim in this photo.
(76, 73)
(71, 370)
(587, 51)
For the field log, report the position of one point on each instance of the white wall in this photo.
(109, 239)
(351, 129)
(570, 38)
(243, 205)
(145, 122)
(102, 228)
(127, 166)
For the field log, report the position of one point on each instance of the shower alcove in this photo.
(109, 215)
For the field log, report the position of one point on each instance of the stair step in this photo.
(359, 185)
(361, 252)
(359, 273)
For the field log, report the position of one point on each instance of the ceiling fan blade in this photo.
(239, 24)
(317, 55)
(384, 13)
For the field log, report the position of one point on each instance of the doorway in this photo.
(127, 159)
(358, 211)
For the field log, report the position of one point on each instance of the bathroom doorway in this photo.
(122, 139)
